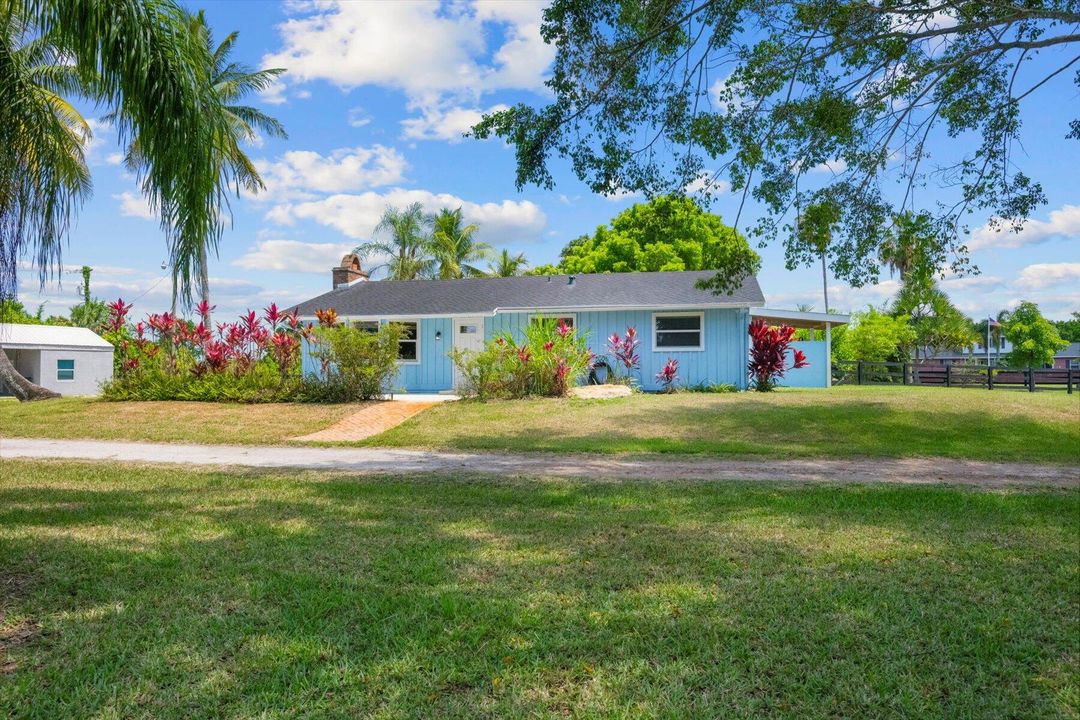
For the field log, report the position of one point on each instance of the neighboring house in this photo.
(1069, 356)
(706, 333)
(68, 360)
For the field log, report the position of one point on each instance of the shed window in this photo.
(678, 332)
(409, 345)
(65, 369)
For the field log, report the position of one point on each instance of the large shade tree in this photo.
(668, 233)
(134, 56)
(800, 105)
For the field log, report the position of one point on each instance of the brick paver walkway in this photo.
(371, 419)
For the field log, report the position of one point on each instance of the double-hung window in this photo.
(65, 370)
(679, 331)
(409, 344)
(567, 320)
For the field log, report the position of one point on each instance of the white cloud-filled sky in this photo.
(376, 98)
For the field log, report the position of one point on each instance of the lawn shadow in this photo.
(260, 593)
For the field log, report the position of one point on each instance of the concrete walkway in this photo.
(913, 471)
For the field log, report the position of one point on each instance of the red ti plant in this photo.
(668, 375)
(625, 350)
(768, 354)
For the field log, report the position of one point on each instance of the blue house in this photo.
(706, 333)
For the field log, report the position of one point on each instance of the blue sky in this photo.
(375, 100)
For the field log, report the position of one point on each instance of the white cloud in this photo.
(300, 173)
(1063, 222)
(358, 118)
(448, 124)
(132, 205)
(293, 256)
(707, 184)
(1043, 275)
(114, 158)
(832, 166)
(438, 54)
(357, 215)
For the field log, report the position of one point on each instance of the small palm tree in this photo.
(408, 249)
(507, 265)
(454, 246)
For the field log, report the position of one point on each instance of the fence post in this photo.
(858, 374)
(1068, 381)
(1031, 380)
(989, 376)
(948, 374)
(905, 370)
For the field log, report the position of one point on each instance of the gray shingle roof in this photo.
(547, 292)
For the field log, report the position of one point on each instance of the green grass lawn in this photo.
(838, 422)
(174, 421)
(168, 593)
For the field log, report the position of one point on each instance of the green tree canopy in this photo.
(874, 335)
(668, 233)
(937, 323)
(655, 97)
(455, 247)
(1069, 329)
(1034, 339)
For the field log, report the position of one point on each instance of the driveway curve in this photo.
(385, 461)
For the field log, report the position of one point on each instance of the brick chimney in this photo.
(348, 271)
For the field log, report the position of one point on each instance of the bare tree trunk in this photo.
(824, 283)
(20, 387)
(204, 283)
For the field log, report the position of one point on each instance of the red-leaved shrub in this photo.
(768, 353)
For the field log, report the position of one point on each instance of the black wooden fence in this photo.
(873, 372)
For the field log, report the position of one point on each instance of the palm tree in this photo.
(408, 250)
(135, 57)
(45, 176)
(454, 246)
(507, 265)
(230, 82)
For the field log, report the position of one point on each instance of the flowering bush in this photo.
(255, 359)
(624, 350)
(547, 362)
(768, 352)
(668, 375)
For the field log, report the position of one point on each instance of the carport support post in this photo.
(828, 354)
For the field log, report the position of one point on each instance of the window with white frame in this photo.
(678, 331)
(409, 344)
(65, 370)
(368, 326)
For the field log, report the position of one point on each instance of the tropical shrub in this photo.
(668, 375)
(255, 359)
(713, 388)
(356, 364)
(768, 354)
(624, 350)
(549, 360)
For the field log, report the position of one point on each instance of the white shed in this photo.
(68, 360)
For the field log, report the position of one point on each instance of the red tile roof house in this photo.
(706, 333)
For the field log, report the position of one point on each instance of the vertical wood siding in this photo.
(722, 361)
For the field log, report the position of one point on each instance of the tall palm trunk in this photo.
(204, 283)
(825, 283)
(20, 387)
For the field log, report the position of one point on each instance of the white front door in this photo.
(468, 335)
